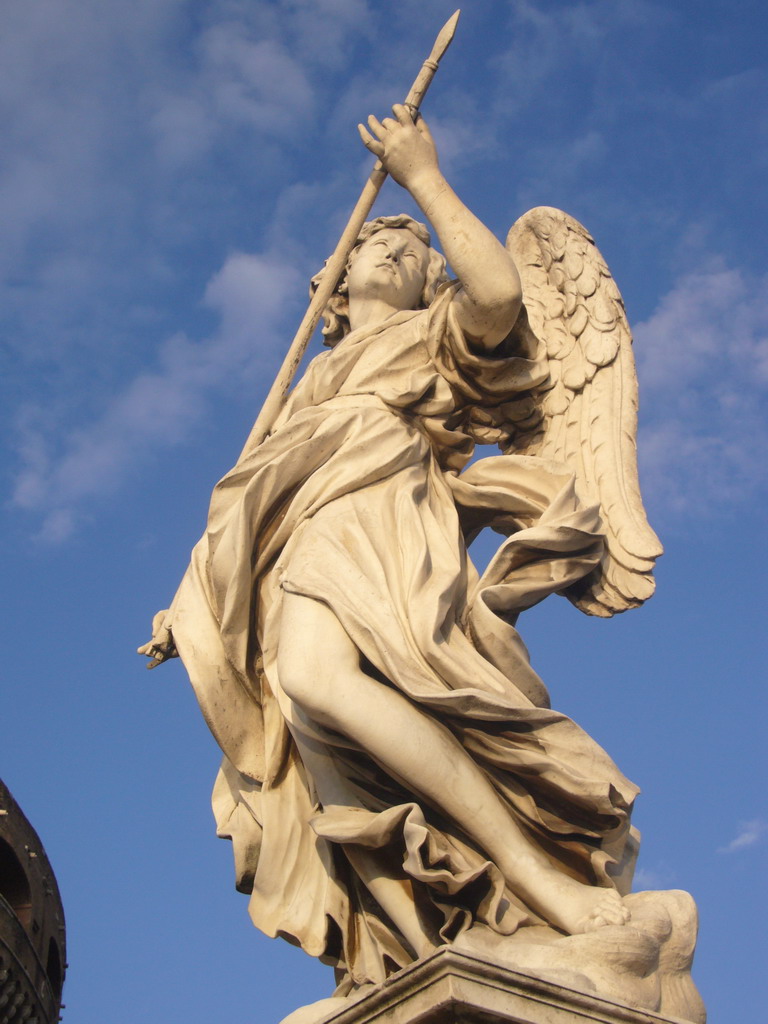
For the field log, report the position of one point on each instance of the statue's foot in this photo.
(587, 908)
(572, 906)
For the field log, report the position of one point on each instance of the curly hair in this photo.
(336, 312)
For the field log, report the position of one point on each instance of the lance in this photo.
(334, 267)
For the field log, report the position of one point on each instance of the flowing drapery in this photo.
(361, 498)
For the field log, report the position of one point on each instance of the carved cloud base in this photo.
(636, 973)
(453, 987)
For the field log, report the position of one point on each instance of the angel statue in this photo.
(394, 779)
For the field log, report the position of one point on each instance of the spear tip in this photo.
(445, 36)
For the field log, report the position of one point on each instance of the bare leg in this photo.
(394, 895)
(319, 668)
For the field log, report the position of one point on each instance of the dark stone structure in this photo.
(32, 940)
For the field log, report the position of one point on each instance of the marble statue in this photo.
(394, 779)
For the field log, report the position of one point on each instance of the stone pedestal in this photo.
(454, 987)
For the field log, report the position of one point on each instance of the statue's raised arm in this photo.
(585, 411)
(488, 301)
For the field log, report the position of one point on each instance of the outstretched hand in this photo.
(161, 647)
(405, 148)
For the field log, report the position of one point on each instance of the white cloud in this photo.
(703, 365)
(102, 230)
(254, 81)
(457, 140)
(183, 128)
(160, 408)
(659, 876)
(545, 41)
(101, 219)
(69, 76)
(321, 29)
(240, 81)
(257, 68)
(750, 832)
(713, 319)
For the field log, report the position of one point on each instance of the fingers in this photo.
(404, 114)
(378, 135)
(380, 128)
(158, 653)
(151, 649)
(159, 650)
(369, 142)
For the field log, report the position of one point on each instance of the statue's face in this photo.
(390, 265)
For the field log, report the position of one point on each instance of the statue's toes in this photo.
(609, 911)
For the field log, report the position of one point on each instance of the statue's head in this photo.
(420, 273)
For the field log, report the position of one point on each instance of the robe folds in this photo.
(361, 498)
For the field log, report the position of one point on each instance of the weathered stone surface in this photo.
(452, 987)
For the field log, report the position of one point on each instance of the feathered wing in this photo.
(586, 413)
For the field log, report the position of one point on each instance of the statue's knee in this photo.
(314, 654)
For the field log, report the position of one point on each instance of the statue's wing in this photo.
(586, 413)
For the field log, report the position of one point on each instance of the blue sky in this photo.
(173, 172)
